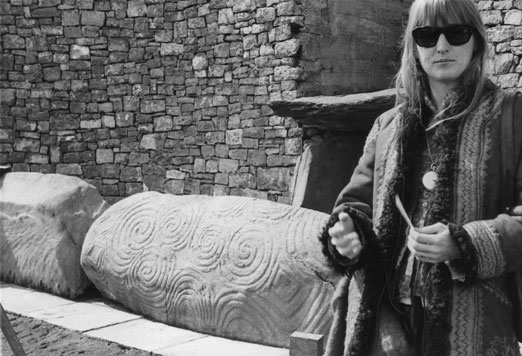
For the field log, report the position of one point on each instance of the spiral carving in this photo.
(178, 222)
(231, 266)
(251, 257)
(208, 245)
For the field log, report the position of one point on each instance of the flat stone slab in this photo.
(137, 333)
(84, 316)
(145, 335)
(24, 300)
(235, 267)
(221, 347)
(44, 219)
(350, 113)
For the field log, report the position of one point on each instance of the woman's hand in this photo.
(517, 213)
(344, 237)
(433, 244)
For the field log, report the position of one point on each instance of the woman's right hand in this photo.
(344, 238)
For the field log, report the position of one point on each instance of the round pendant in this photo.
(429, 180)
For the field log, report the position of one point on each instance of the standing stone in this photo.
(236, 267)
(44, 219)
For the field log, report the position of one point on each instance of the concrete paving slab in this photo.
(22, 300)
(145, 335)
(216, 346)
(84, 316)
(105, 320)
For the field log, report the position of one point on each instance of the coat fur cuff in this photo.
(363, 227)
(467, 265)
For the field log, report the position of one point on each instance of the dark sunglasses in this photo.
(456, 35)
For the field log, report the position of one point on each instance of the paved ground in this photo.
(49, 325)
(39, 338)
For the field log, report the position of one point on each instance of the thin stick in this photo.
(399, 205)
(10, 334)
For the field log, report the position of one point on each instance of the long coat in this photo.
(471, 311)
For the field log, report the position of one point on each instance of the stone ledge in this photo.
(351, 113)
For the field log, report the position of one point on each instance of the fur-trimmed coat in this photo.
(471, 311)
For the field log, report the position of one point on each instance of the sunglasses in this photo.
(456, 35)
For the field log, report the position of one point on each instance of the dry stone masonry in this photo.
(173, 96)
(504, 22)
(239, 267)
(151, 94)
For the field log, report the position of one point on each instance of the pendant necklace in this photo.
(429, 179)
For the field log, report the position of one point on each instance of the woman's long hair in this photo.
(411, 80)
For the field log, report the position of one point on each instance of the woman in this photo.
(447, 278)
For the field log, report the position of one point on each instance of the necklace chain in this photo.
(433, 165)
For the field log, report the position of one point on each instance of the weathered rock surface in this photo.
(237, 267)
(43, 222)
(350, 113)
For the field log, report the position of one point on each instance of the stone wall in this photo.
(173, 95)
(151, 95)
(504, 22)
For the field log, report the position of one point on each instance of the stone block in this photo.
(124, 119)
(131, 174)
(500, 33)
(256, 158)
(234, 137)
(118, 44)
(168, 49)
(306, 344)
(199, 165)
(70, 169)
(45, 12)
(93, 18)
(136, 8)
(228, 165)
(44, 219)
(152, 106)
(273, 179)
(175, 187)
(7, 96)
(513, 17)
(293, 146)
(225, 16)
(199, 62)
(70, 18)
(503, 63)
(237, 267)
(222, 50)
(152, 141)
(51, 74)
(287, 48)
(104, 156)
(491, 17)
(13, 42)
(242, 180)
(26, 145)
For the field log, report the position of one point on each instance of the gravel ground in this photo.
(39, 338)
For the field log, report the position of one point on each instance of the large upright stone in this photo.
(43, 222)
(237, 267)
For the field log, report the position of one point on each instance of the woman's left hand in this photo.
(432, 244)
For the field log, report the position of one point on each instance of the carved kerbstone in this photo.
(43, 221)
(237, 267)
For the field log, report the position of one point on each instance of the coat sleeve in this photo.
(356, 200)
(490, 248)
